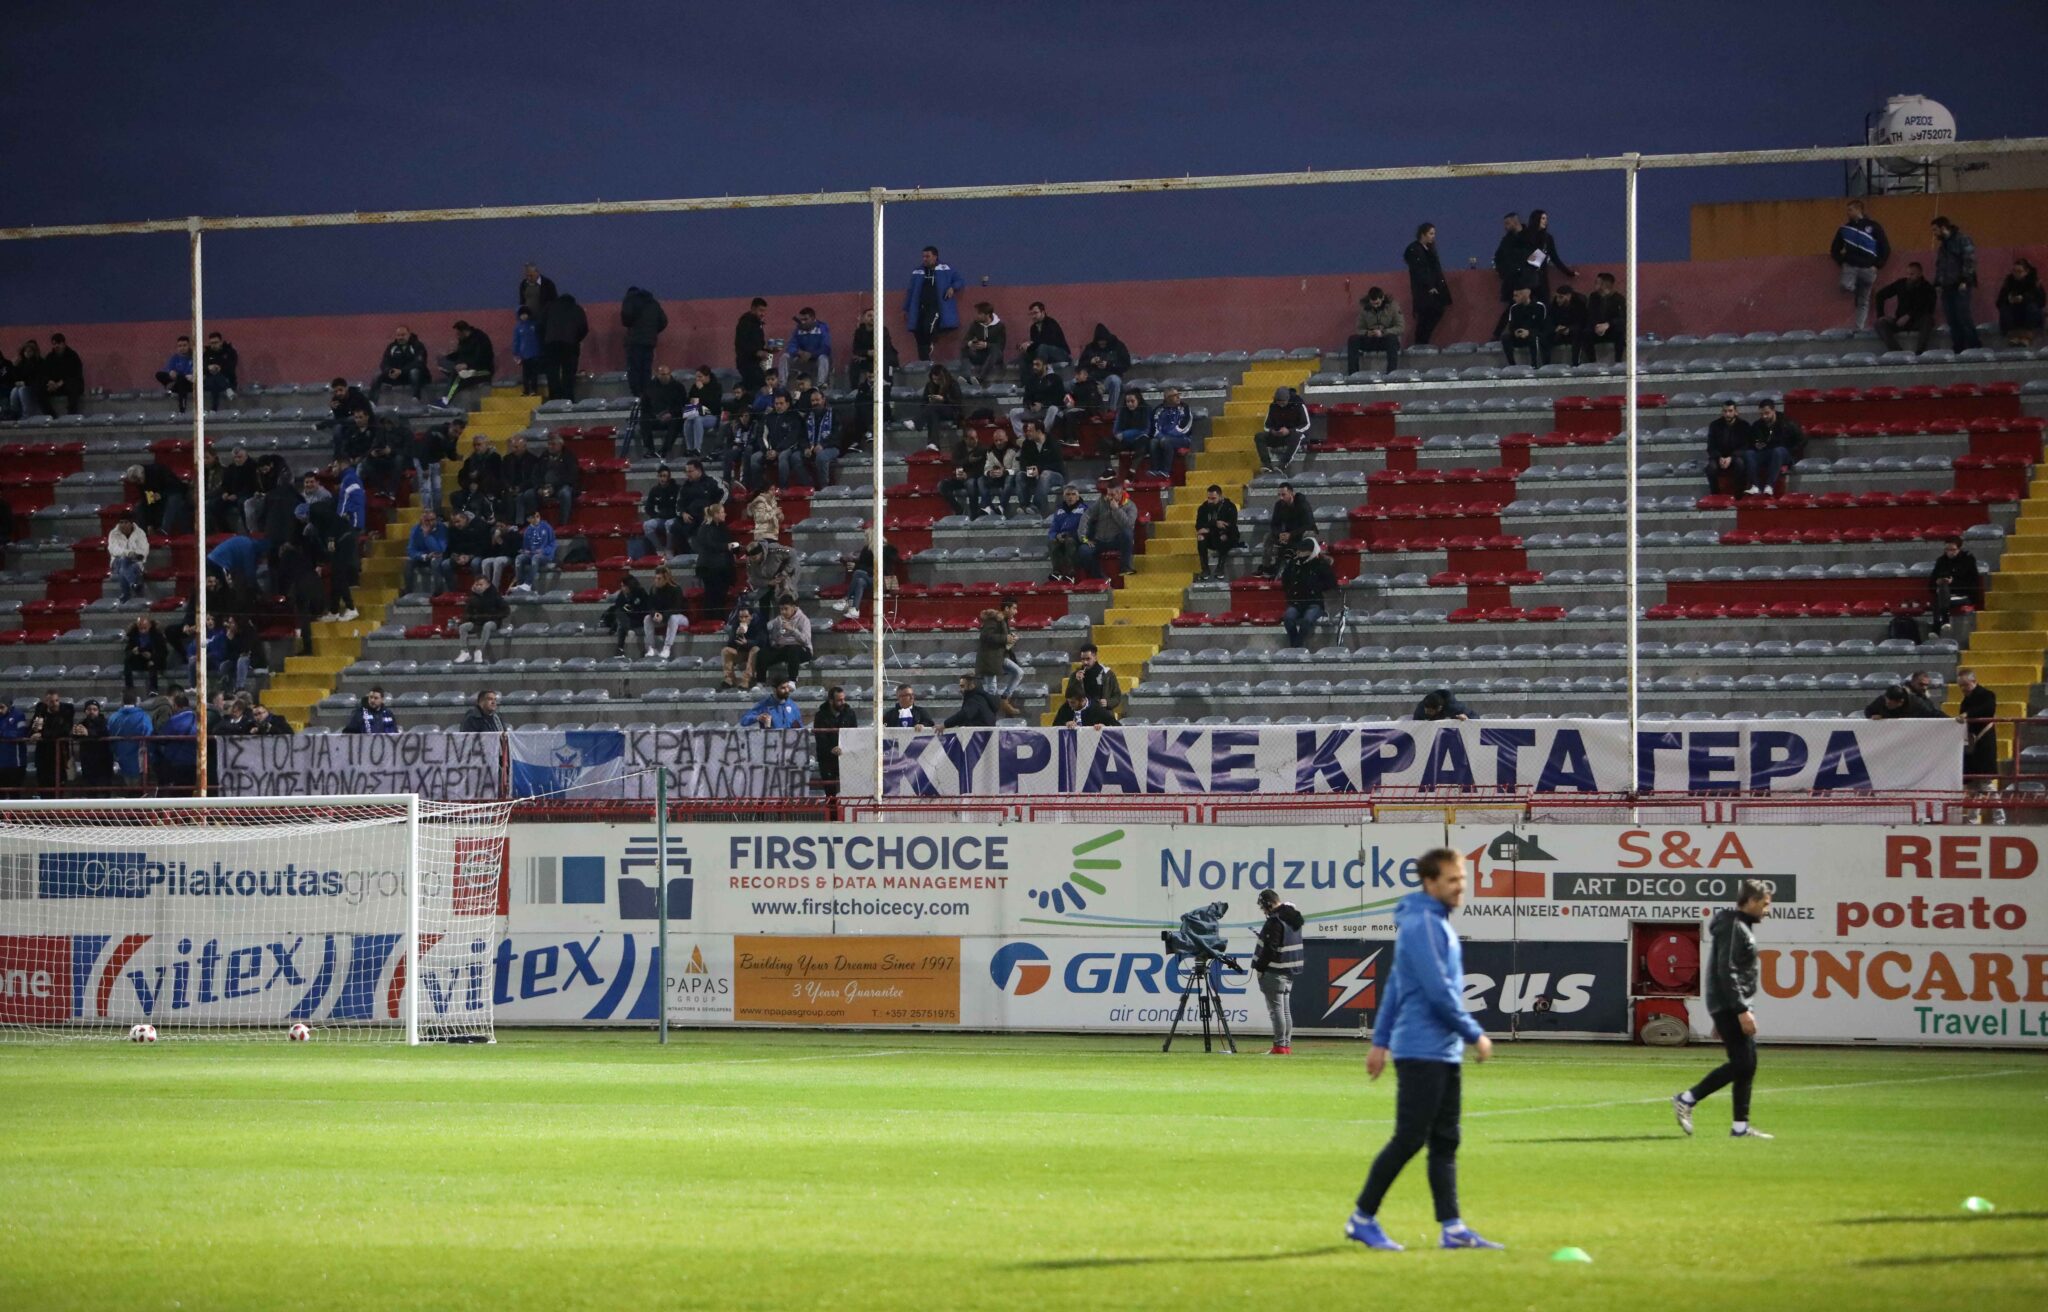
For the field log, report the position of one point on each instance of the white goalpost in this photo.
(371, 918)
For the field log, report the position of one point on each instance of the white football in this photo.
(142, 1034)
(298, 1033)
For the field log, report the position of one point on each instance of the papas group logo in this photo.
(1020, 969)
(1088, 862)
(1496, 866)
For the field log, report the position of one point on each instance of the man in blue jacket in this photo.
(1423, 1024)
(13, 748)
(128, 729)
(931, 305)
(176, 751)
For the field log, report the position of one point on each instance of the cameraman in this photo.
(1278, 961)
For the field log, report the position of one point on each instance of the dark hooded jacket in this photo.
(1731, 963)
(643, 317)
(1105, 354)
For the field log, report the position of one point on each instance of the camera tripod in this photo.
(1203, 988)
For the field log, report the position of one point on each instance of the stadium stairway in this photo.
(1154, 589)
(2006, 641)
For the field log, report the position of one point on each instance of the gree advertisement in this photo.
(1050, 983)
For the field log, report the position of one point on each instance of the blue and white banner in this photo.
(584, 764)
(1548, 756)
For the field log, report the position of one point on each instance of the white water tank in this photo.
(1906, 119)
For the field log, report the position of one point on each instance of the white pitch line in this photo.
(821, 1056)
(1766, 1091)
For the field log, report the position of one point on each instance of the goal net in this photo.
(362, 918)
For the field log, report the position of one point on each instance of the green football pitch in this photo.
(787, 1170)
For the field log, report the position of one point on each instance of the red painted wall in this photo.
(1179, 315)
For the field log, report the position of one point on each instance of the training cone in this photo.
(1978, 1205)
(1571, 1255)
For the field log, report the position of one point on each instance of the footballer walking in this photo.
(1731, 987)
(1422, 1023)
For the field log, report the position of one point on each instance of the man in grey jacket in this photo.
(1955, 276)
(1111, 525)
(1732, 975)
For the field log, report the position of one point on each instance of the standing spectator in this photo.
(483, 717)
(221, 368)
(473, 360)
(667, 614)
(930, 304)
(1924, 692)
(427, 565)
(998, 480)
(809, 350)
(1108, 360)
(63, 378)
(1216, 533)
(942, 404)
(1954, 581)
(1727, 448)
(658, 510)
(1606, 320)
(1955, 277)
(907, 714)
(49, 728)
(1859, 250)
(403, 364)
(1169, 433)
(235, 558)
(1571, 325)
(128, 730)
(330, 538)
(144, 651)
(627, 615)
(561, 477)
(2020, 301)
(536, 547)
(833, 719)
(562, 330)
(749, 339)
(1130, 427)
(995, 653)
(1041, 469)
(644, 320)
(1429, 292)
(1979, 715)
(536, 292)
(742, 647)
(371, 715)
(1913, 314)
(789, 641)
(175, 748)
(1111, 525)
(166, 498)
(1775, 444)
(1510, 264)
(1292, 520)
(1306, 580)
(771, 573)
(1542, 255)
(1095, 681)
(14, 750)
(1285, 432)
(1063, 533)
(1898, 703)
(778, 710)
(175, 376)
(127, 554)
(484, 613)
(1527, 328)
(987, 340)
(713, 546)
(662, 405)
(238, 482)
(1047, 341)
(1379, 328)
(978, 709)
(526, 350)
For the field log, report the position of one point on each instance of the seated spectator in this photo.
(1379, 328)
(1954, 581)
(1728, 446)
(27, 382)
(1306, 580)
(63, 378)
(1898, 703)
(241, 654)
(942, 404)
(818, 451)
(778, 710)
(1130, 424)
(525, 474)
(473, 360)
(485, 468)
(626, 615)
(428, 566)
(1046, 342)
(742, 648)
(343, 400)
(266, 723)
(660, 416)
(788, 648)
(784, 436)
(860, 367)
(403, 364)
(176, 375)
(469, 545)
(982, 353)
(1095, 681)
(1216, 533)
(713, 546)
(561, 477)
(1108, 362)
(236, 489)
(1041, 469)
(1292, 520)
(860, 581)
(809, 349)
(907, 714)
(745, 441)
(484, 613)
(1044, 394)
(144, 651)
(526, 350)
(834, 718)
(1169, 433)
(1075, 710)
(765, 512)
(128, 730)
(127, 555)
(998, 480)
(1913, 314)
(2020, 301)
(427, 450)
(1606, 320)
(536, 553)
(1571, 325)
(958, 487)
(1443, 704)
(483, 717)
(995, 653)
(1527, 328)
(701, 412)
(978, 709)
(658, 510)
(667, 614)
(1286, 430)
(1775, 445)
(372, 445)
(1111, 525)
(371, 715)
(1083, 397)
(221, 368)
(1063, 535)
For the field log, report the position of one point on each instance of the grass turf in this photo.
(773, 1170)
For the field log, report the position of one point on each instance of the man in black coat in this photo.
(1306, 580)
(562, 330)
(1775, 444)
(1293, 519)
(1571, 326)
(1727, 448)
(662, 402)
(1954, 580)
(1979, 714)
(63, 378)
(1606, 319)
(749, 339)
(906, 713)
(1216, 533)
(1913, 314)
(833, 719)
(1526, 327)
(978, 709)
(49, 727)
(644, 321)
(403, 364)
(473, 360)
(1429, 292)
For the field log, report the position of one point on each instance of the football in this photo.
(298, 1033)
(142, 1034)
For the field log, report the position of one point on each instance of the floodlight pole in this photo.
(1632, 318)
(199, 615)
(879, 384)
